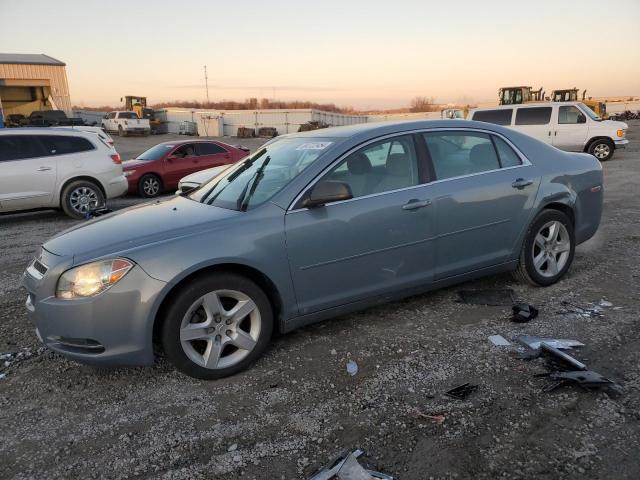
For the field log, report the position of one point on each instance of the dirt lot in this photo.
(298, 407)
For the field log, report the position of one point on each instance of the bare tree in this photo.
(422, 104)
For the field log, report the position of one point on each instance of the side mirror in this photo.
(327, 191)
(582, 118)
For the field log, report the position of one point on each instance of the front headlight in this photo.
(92, 279)
(128, 173)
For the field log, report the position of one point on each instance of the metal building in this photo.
(31, 82)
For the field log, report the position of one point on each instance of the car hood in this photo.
(137, 226)
(204, 175)
(133, 163)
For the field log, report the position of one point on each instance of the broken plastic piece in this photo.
(462, 392)
(562, 356)
(534, 342)
(492, 297)
(352, 367)
(499, 340)
(347, 467)
(523, 313)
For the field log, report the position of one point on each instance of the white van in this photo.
(568, 126)
(57, 168)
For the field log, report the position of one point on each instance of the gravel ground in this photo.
(298, 407)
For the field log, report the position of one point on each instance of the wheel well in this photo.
(251, 273)
(86, 179)
(591, 140)
(561, 207)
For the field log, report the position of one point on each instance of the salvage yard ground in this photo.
(298, 408)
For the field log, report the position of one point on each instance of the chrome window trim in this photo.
(525, 163)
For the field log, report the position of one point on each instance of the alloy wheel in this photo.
(551, 249)
(602, 150)
(220, 329)
(84, 199)
(151, 186)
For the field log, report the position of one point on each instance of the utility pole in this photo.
(206, 82)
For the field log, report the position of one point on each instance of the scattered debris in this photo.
(594, 311)
(492, 297)
(232, 448)
(461, 392)
(523, 313)
(559, 354)
(534, 342)
(333, 351)
(583, 378)
(438, 419)
(347, 467)
(605, 303)
(499, 340)
(2, 375)
(98, 212)
(352, 367)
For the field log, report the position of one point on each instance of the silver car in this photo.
(312, 226)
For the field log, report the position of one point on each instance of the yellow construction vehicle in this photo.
(571, 95)
(139, 105)
(517, 95)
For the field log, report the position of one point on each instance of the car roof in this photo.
(182, 142)
(44, 131)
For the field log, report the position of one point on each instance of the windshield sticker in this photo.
(314, 146)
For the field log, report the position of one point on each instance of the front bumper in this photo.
(621, 143)
(117, 187)
(114, 328)
(141, 131)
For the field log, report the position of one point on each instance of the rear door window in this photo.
(18, 147)
(533, 116)
(209, 149)
(65, 145)
(456, 154)
(497, 117)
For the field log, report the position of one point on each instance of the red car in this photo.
(160, 168)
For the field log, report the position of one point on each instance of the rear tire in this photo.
(548, 249)
(150, 186)
(81, 197)
(602, 149)
(204, 337)
(121, 132)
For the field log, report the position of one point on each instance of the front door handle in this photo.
(44, 169)
(415, 204)
(520, 183)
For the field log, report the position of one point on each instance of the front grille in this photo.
(40, 267)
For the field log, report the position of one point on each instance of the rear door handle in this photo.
(415, 204)
(520, 183)
(44, 169)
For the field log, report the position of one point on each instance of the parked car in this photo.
(16, 120)
(161, 167)
(570, 126)
(57, 168)
(104, 136)
(125, 123)
(195, 180)
(52, 118)
(312, 226)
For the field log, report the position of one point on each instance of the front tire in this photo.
(217, 326)
(80, 197)
(548, 249)
(121, 132)
(149, 186)
(602, 149)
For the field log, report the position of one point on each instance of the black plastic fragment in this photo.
(523, 312)
(461, 392)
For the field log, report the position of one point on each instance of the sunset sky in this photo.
(367, 54)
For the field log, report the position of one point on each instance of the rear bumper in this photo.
(117, 187)
(138, 130)
(111, 329)
(621, 143)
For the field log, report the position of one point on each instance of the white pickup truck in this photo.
(125, 123)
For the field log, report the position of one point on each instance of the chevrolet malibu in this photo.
(312, 226)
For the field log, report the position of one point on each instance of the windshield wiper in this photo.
(250, 188)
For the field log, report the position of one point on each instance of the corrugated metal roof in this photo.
(29, 59)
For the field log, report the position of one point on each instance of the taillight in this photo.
(115, 158)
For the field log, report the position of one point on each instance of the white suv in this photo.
(57, 168)
(568, 126)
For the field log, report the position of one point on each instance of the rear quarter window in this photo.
(497, 117)
(64, 145)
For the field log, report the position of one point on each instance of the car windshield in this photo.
(590, 112)
(255, 180)
(155, 153)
